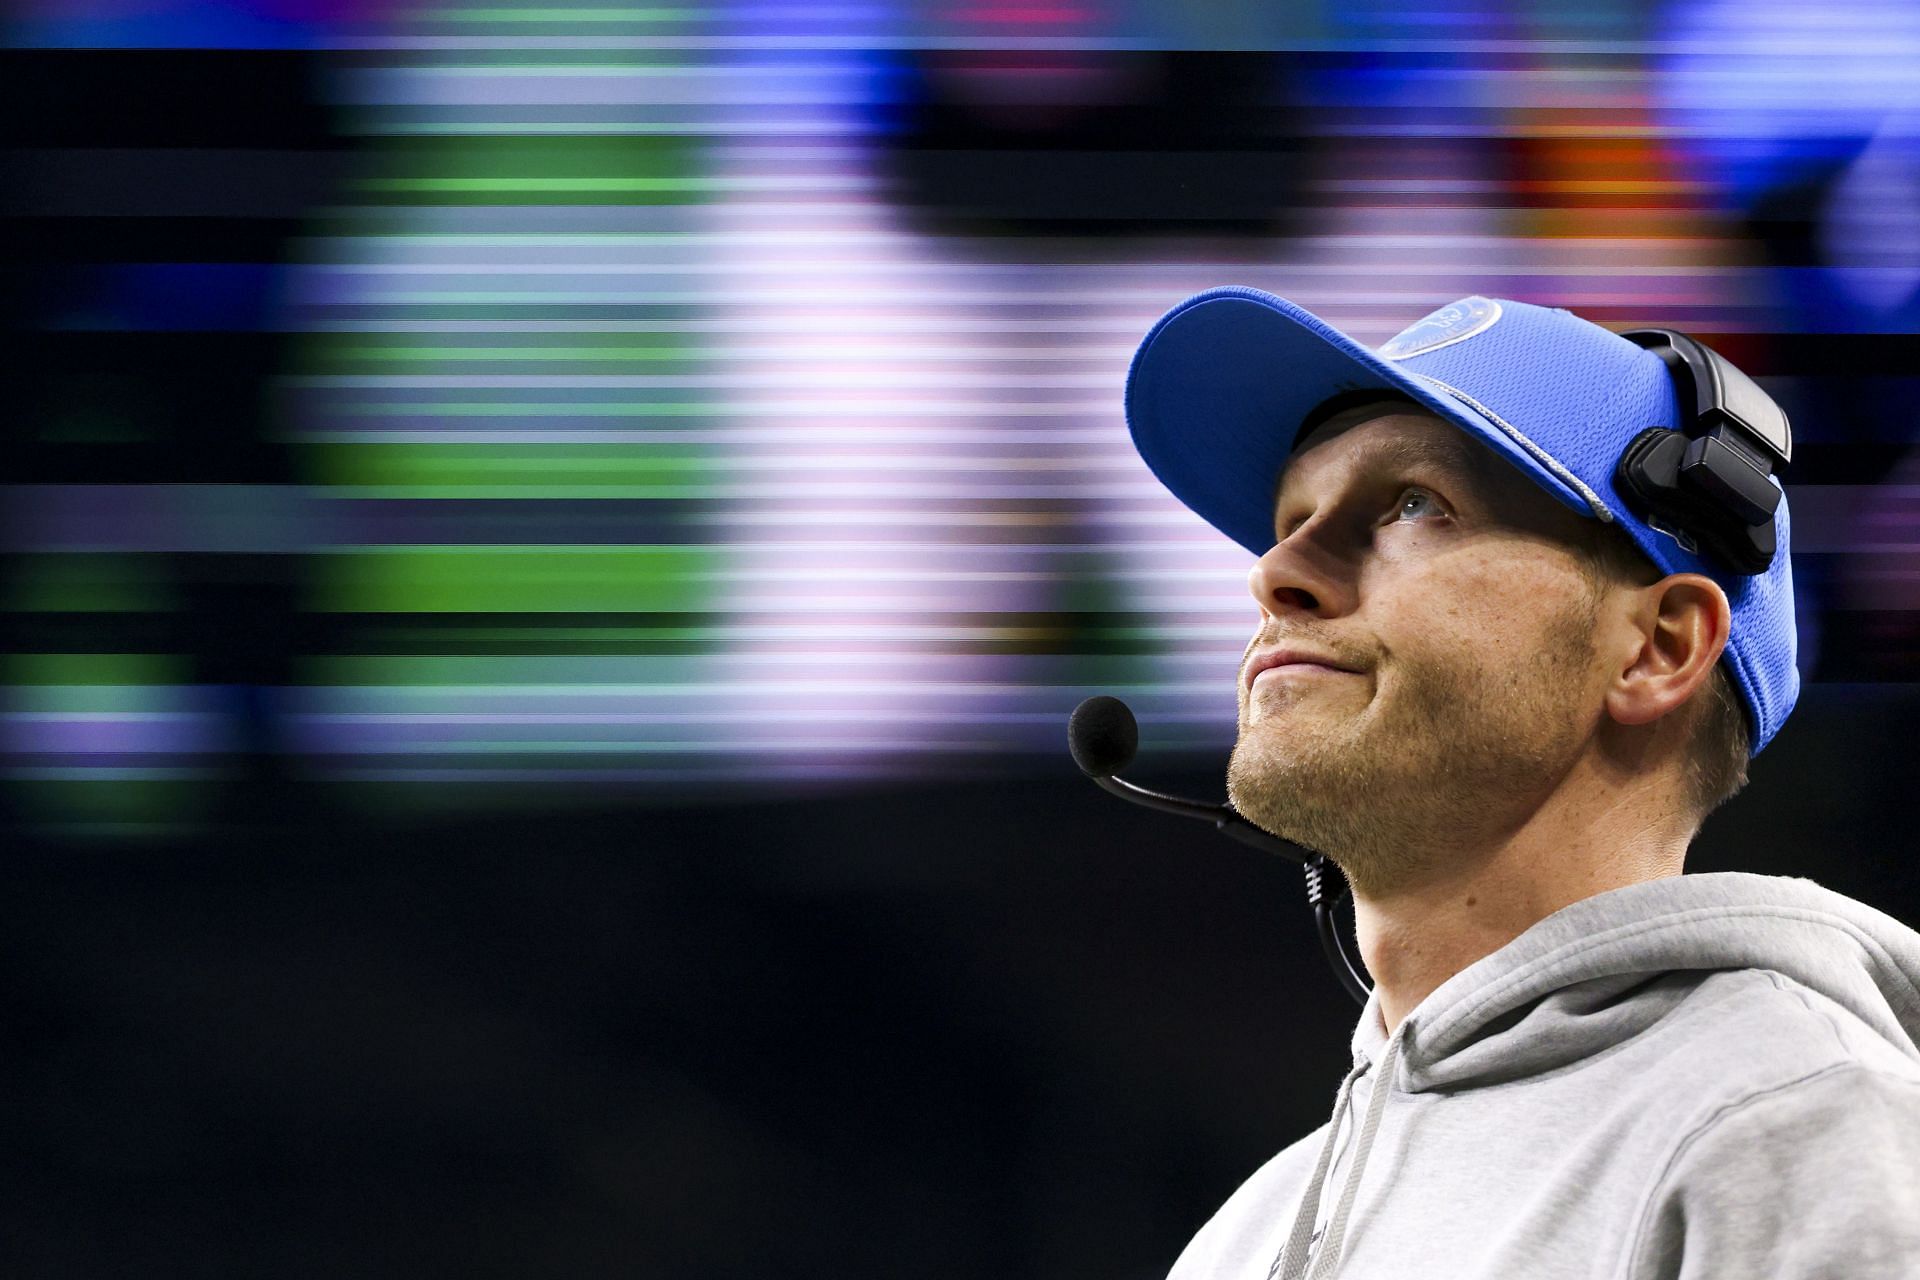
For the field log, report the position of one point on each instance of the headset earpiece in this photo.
(1709, 485)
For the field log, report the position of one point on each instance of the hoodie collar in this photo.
(1600, 970)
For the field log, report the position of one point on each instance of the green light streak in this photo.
(97, 683)
(496, 579)
(559, 184)
(119, 669)
(499, 128)
(88, 582)
(117, 801)
(472, 409)
(465, 675)
(512, 469)
(518, 239)
(712, 635)
(620, 353)
(583, 492)
(552, 167)
(111, 773)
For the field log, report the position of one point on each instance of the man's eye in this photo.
(1416, 502)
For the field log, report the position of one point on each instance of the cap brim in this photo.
(1221, 384)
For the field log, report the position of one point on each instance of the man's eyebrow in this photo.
(1453, 456)
(1452, 453)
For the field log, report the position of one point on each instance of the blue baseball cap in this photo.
(1222, 383)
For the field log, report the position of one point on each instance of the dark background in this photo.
(1007, 1028)
(1000, 1026)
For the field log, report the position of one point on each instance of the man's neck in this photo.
(1415, 937)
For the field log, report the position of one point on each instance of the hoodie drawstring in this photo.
(1336, 1237)
(1292, 1262)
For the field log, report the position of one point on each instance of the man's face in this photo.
(1448, 585)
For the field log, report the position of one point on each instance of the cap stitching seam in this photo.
(1545, 459)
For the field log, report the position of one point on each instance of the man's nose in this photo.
(1301, 574)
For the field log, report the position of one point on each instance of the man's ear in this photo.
(1683, 621)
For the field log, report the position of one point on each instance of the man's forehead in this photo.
(1405, 438)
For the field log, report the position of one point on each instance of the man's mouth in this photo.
(1288, 662)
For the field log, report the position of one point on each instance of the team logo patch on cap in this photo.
(1455, 322)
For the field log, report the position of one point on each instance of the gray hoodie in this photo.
(1704, 1076)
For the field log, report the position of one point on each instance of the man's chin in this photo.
(1266, 775)
(1295, 781)
(1285, 735)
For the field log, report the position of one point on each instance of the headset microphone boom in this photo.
(1103, 736)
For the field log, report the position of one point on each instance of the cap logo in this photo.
(1455, 322)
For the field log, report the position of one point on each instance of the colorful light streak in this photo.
(650, 439)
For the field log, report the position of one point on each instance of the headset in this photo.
(1709, 485)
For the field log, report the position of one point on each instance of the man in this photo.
(1505, 667)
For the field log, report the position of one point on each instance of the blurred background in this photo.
(549, 549)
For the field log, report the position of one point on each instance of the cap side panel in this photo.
(1541, 456)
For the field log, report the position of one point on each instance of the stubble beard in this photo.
(1387, 790)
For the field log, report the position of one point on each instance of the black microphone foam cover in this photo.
(1103, 736)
